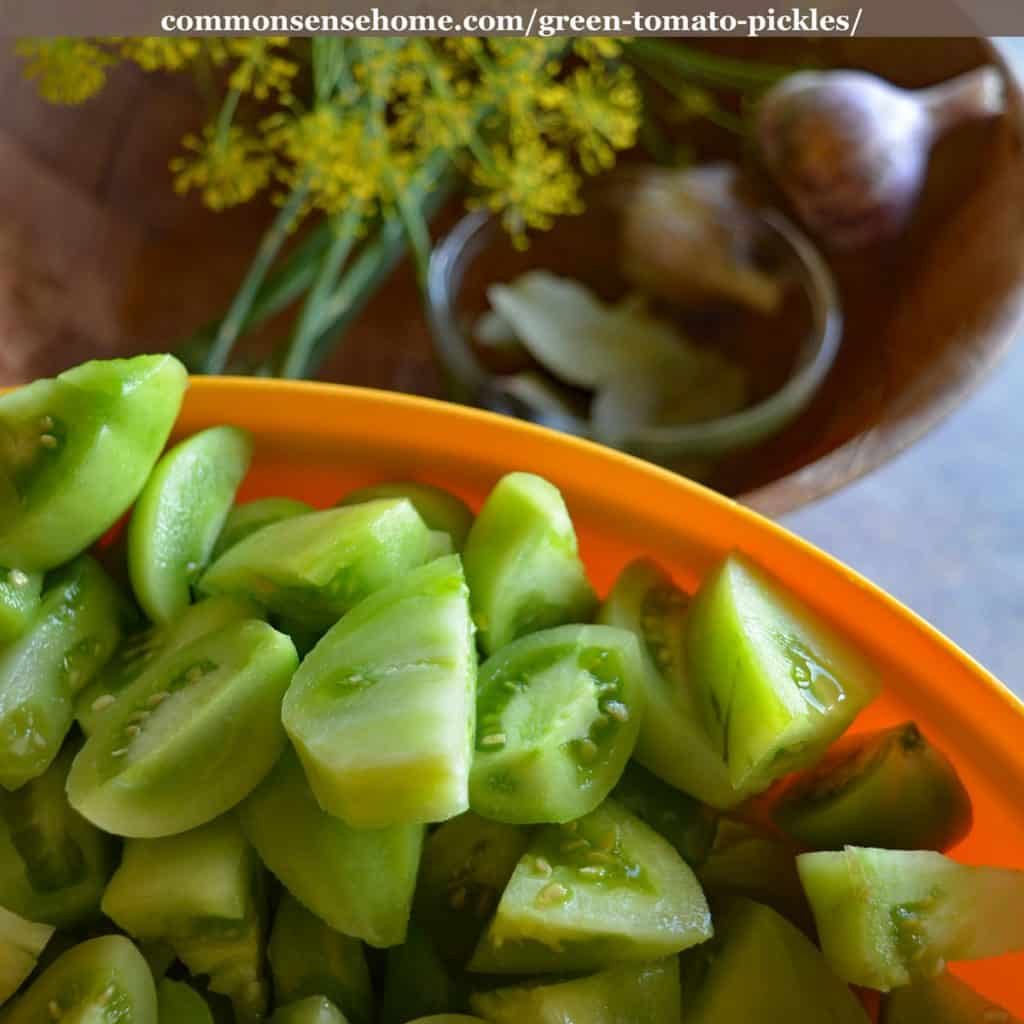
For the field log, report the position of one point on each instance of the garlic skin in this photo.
(851, 150)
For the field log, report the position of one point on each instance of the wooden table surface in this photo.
(942, 527)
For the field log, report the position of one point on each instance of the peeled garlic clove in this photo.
(851, 150)
(687, 238)
(492, 330)
(532, 396)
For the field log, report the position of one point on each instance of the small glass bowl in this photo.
(478, 253)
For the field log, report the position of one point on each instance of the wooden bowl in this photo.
(98, 256)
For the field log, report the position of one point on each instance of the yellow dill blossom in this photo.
(66, 71)
(161, 53)
(529, 183)
(227, 167)
(263, 69)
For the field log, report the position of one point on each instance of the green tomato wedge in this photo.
(178, 1003)
(190, 738)
(777, 684)
(648, 603)
(20, 594)
(360, 881)
(251, 516)
(439, 509)
(98, 701)
(308, 958)
(591, 893)
(466, 865)
(522, 563)
(73, 633)
(942, 1000)
(381, 710)
(179, 516)
(416, 981)
(890, 917)
(21, 942)
(54, 864)
(759, 967)
(645, 993)
(75, 452)
(312, 1010)
(201, 892)
(311, 569)
(889, 789)
(448, 1018)
(688, 825)
(558, 714)
(102, 981)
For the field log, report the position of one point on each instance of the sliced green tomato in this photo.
(20, 593)
(73, 633)
(178, 1003)
(646, 993)
(888, 789)
(361, 882)
(417, 982)
(190, 738)
(558, 714)
(688, 825)
(246, 519)
(673, 742)
(466, 865)
(597, 891)
(748, 862)
(448, 1018)
(54, 864)
(760, 968)
(98, 701)
(21, 942)
(777, 684)
(439, 509)
(102, 981)
(312, 569)
(942, 1000)
(179, 516)
(201, 893)
(522, 563)
(75, 452)
(312, 1010)
(381, 711)
(889, 917)
(309, 958)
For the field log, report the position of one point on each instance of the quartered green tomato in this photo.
(309, 958)
(889, 789)
(179, 516)
(522, 563)
(312, 1010)
(777, 684)
(20, 593)
(199, 891)
(72, 635)
(594, 892)
(416, 981)
(648, 603)
(21, 942)
(190, 737)
(360, 881)
(887, 918)
(179, 1003)
(381, 710)
(102, 981)
(313, 568)
(248, 518)
(759, 967)
(75, 452)
(558, 714)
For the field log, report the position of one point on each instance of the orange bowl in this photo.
(315, 441)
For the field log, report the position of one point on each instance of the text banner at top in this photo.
(525, 18)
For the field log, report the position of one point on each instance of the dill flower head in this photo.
(66, 71)
(263, 69)
(161, 53)
(227, 167)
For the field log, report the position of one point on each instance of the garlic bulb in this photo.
(687, 238)
(851, 150)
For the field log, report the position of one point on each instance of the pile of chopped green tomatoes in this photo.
(389, 761)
